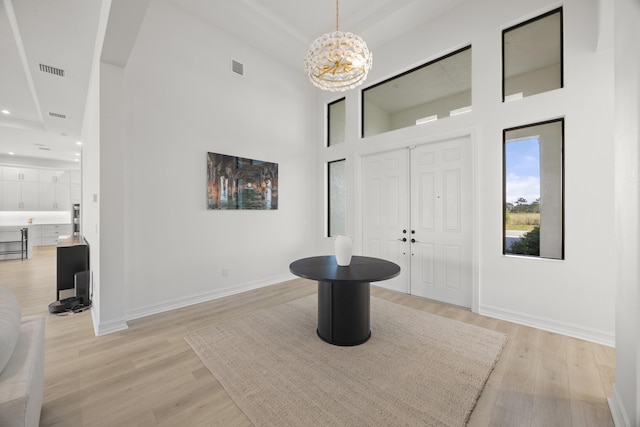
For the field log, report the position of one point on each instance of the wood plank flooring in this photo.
(149, 376)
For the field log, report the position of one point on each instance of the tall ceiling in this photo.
(38, 38)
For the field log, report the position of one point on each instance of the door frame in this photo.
(357, 158)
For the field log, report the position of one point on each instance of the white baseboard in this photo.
(618, 413)
(208, 296)
(575, 331)
(100, 329)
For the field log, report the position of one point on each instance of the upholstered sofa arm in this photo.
(22, 379)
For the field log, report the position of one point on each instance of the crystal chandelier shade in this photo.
(338, 61)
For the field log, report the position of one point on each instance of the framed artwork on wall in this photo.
(238, 183)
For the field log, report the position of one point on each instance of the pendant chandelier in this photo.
(338, 61)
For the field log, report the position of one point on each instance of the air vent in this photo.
(51, 70)
(58, 115)
(44, 148)
(237, 67)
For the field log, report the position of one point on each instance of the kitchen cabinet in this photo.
(75, 176)
(76, 188)
(76, 193)
(19, 174)
(49, 233)
(55, 176)
(36, 189)
(35, 235)
(19, 196)
(54, 196)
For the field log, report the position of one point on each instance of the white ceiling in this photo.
(59, 34)
(62, 34)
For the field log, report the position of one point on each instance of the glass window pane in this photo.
(336, 120)
(532, 56)
(533, 190)
(438, 89)
(337, 205)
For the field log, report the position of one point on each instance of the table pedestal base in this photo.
(343, 312)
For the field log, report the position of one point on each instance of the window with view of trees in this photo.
(533, 190)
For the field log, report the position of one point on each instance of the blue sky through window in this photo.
(522, 169)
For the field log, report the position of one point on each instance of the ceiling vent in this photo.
(58, 115)
(44, 148)
(237, 67)
(51, 70)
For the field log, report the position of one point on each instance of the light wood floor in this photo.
(148, 375)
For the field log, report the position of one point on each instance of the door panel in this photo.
(448, 201)
(386, 213)
(426, 197)
(452, 267)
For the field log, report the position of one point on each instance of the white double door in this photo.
(417, 212)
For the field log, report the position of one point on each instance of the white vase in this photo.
(344, 250)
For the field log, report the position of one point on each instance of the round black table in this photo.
(343, 294)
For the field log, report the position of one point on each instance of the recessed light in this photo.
(6, 112)
(79, 143)
(76, 160)
(77, 154)
(11, 153)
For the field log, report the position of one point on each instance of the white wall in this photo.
(90, 217)
(180, 101)
(573, 296)
(625, 402)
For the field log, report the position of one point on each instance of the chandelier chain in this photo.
(337, 17)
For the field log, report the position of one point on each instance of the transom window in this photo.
(532, 56)
(435, 90)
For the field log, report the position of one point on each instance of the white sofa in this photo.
(21, 364)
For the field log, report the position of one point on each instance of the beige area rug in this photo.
(416, 369)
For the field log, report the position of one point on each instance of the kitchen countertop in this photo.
(31, 225)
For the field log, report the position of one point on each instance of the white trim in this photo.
(204, 297)
(619, 415)
(571, 330)
(100, 329)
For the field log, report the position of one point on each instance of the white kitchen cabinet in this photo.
(35, 235)
(51, 232)
(19, 174)
(76, 193)
(55, 176)
(19, 196)
(35, 189)
(54, 196)
(75, 176)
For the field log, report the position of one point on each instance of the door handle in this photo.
(414, 241)
(404, 239)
